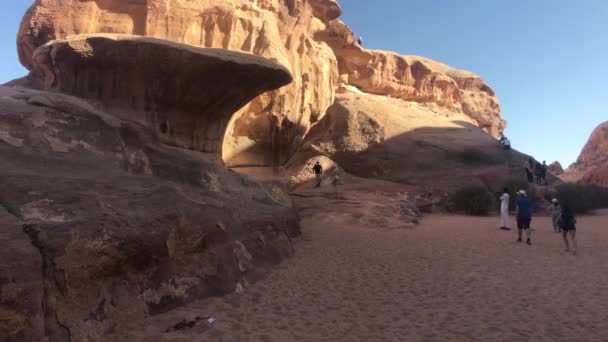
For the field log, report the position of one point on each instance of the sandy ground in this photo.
(451, 278)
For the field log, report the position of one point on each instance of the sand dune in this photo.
(449, 279)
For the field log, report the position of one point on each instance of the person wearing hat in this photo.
(556, 213)
(524, 216)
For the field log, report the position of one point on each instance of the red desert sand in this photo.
(451, 278)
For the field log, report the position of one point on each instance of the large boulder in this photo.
(429, 148)
(102, 221)
(591, 167)
(268, 130)
(414, 78)
(159, 84)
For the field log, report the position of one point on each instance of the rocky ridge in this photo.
(591, 167)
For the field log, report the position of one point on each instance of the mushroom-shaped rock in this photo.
(185, 94)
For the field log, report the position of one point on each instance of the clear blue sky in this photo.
(546, 59)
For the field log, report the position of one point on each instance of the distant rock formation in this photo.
(555, 168)
(413, 78)
(591, 167)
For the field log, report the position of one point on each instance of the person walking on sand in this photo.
(524, 216)
(318, 171)
(568, 226)
(505, 223)
(556, 214)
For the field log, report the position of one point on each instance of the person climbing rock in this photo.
(524, 216)
(505, 223)
(360, 41)
(529, 167)
(318, 171)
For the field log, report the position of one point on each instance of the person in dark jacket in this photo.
(524, 216)
(529, 167)
(568, 226)
(318, 171)
(538, 172)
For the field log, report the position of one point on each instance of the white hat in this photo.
(522, 192)
(554, 200)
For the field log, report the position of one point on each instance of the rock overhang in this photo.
(185, 94)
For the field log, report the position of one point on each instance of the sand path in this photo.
(450, 279)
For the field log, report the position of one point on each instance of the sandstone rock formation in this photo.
(429, 148)
(414, 78)
(591, 167)
(101, 222)
(555, 168)
(114, 204)
(271, 127)
(159, 84)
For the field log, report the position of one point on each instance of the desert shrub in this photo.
(582, 198)
(472, 200)
(516, 184)
(474, 156)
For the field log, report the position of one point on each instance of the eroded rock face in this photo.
(591, 166)
(104, 225)
(555, 168)
(414, 78)
(272, 126)
(427, 147)
(186, 95)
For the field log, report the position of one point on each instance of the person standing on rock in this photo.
(544, 173)
(318, 171)
(360, 41)
(538, 172)
(556, 214)
(524, 217)
(529, 167)
(505, 223)
(568, 226)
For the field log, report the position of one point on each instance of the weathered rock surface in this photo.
(591, 167)
(555, 168)
(304, 36)
(272, 126)
(429, 148)
(414, 78)
(102, 224)
(186, 95)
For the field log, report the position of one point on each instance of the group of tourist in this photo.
(317, 169)
(505, 142)
(536, 172)
(562, 217)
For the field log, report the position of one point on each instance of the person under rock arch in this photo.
(318, 171)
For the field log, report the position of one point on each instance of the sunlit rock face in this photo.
(591, 167)
(271, 128)
(185, 95)
(414, 78)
